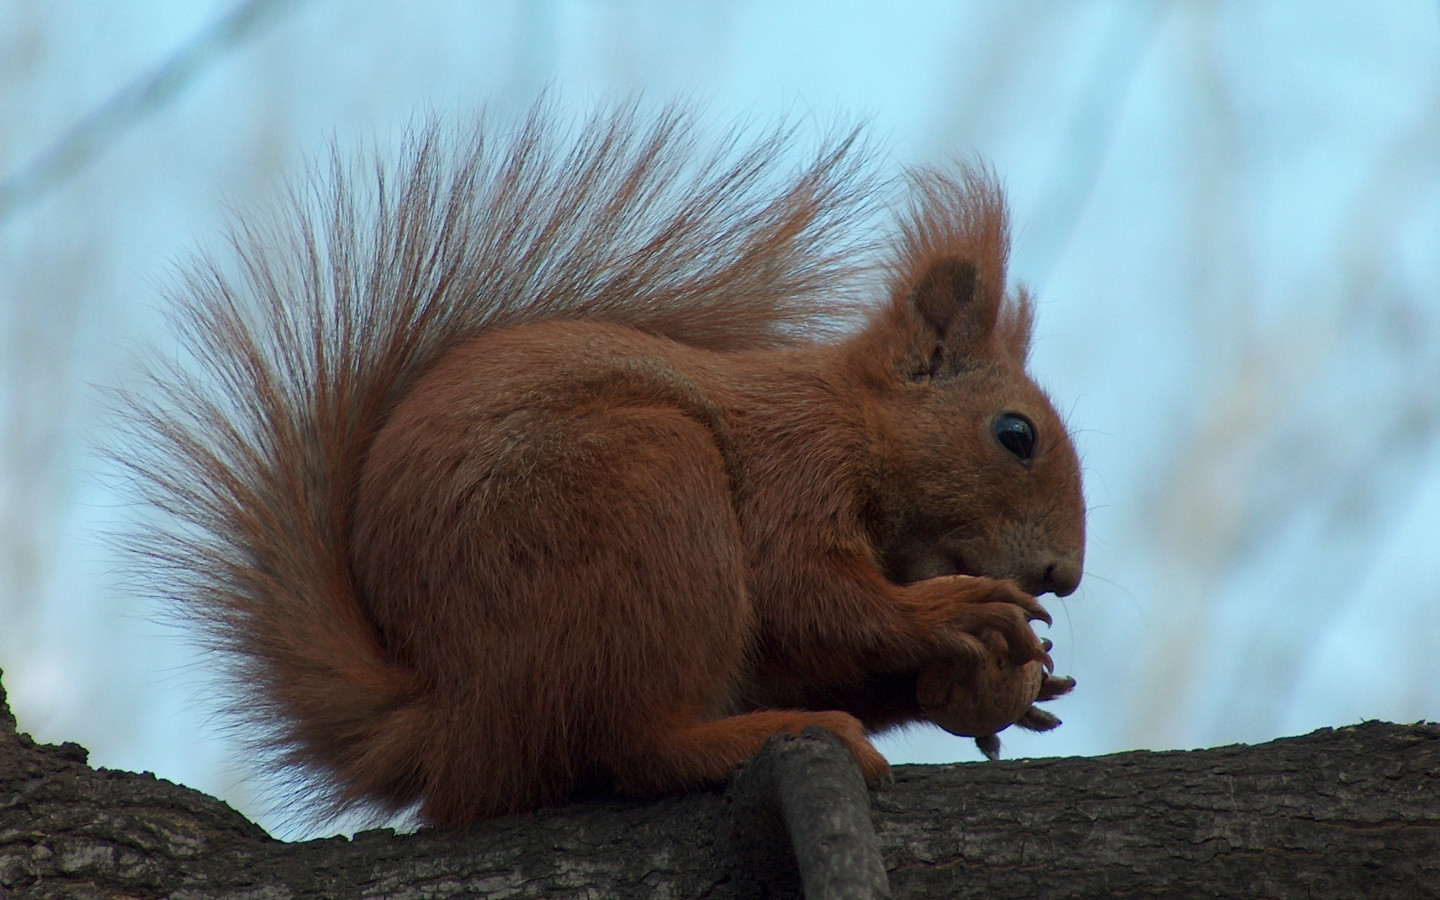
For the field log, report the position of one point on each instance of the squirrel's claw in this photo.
(1052, 687)
(1037, 719)
(1033, 610)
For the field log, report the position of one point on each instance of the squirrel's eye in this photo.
(1016, 434)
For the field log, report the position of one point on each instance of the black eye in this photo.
(1016, 434)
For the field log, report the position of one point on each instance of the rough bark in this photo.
(1350, 812)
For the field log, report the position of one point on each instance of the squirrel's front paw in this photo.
(981, 698)
(1000, 609)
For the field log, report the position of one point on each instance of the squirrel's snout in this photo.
(1059, 577)
(1062, 577)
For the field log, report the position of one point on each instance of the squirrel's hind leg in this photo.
(686, 752)
(667, 614)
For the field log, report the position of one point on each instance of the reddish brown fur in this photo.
(528, 480)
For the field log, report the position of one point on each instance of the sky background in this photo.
(1229, 211)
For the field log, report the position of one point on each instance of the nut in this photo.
(978, 700)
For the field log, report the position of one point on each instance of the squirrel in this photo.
(549, 462)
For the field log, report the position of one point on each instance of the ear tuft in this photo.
(950, 270)
(943, 290)
(1017, 322)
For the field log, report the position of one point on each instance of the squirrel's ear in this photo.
(949, 298)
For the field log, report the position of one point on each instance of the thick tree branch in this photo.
(1351, 812)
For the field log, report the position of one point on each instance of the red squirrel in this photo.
(538, 466)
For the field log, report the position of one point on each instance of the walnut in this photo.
(982, 698)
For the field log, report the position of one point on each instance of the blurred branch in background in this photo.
(133, 102)
(38, 338)
(1310, 429)
(1090, 132)
(53, 304)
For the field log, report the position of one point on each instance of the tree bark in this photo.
(1349, 812)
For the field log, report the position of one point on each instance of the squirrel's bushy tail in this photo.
(303, 339)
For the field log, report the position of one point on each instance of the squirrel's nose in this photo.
(1062, 577)
(1058, 576)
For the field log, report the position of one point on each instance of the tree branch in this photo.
(1350, 812)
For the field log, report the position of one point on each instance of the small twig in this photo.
(812, 785)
